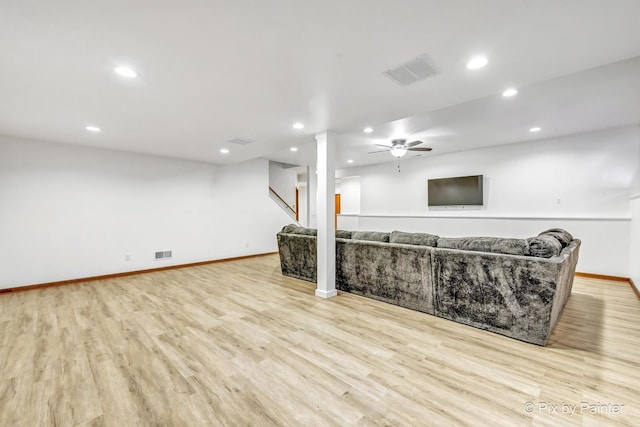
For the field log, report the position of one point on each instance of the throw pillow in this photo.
(563, 236)
(544, 246)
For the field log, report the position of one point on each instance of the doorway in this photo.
(337, 210)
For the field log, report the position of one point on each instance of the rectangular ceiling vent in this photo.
(413, 71)
(240, 141)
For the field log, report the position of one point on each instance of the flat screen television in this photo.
(462, 190)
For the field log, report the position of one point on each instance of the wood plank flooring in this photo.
(238, 344)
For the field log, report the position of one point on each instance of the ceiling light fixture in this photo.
(92, 128)
(349, 161)
(298, 125)
(125, 71)
(477, 62)
(294, 149)
(224, 151)
(398, 151)
(368, 130)
(535, 129)
(509, 92)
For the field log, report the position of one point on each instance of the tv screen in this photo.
(462, 190)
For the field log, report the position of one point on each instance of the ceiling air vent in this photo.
(413, 71)
(240, 141)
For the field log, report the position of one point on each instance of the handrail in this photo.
(282, 200)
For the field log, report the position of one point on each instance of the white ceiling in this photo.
(212, 70)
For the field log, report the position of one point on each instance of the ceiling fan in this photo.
(399, 147)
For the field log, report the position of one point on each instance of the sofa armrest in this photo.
(508, 294)
(298, 256)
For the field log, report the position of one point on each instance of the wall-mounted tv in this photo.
(462, 190)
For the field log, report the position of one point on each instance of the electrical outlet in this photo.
(127, 257)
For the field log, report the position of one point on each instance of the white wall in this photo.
(307, 185)
(634, 252)
(69, 212)
(283, 181)
(591, 175)
(303, 215)
(350, 195)
(347, 187)
(604, 249)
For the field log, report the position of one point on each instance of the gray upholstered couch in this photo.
(514, 287)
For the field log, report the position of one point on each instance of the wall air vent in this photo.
(240, 141)
(163, 254)
(413, 71)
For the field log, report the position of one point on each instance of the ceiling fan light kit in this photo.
(398, 151)
(399, 148)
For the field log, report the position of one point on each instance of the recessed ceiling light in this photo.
(91, 128)
(349, 161)
(509, 92)
(368, 130)
(298, 125)
(224, 151)
(477, 62)
(125, 72)
(294, 149)
(535, 129)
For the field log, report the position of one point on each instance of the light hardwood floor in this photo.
(237, 343)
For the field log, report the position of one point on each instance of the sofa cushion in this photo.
(290, 228)
(498, 245)
(308, 231)
(544, 246)
(296, 229)
(563, 236)
(343, 234)
(374, 236)
(420, 239)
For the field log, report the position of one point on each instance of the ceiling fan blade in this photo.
(380, 151)
(384, 145)
(414, 143)
(420, 149)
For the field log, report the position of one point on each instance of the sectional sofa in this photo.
(514, 287)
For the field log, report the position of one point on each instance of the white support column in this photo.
(326, 146)
(312, 185)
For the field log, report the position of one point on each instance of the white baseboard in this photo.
(326, 294)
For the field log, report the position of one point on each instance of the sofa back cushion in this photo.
(544, 246)
(498, 245)
(374, 236)
(563, 236)
(308, 231)
(343, 234)
(290, 228)
(420, 239)
(296, 229)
